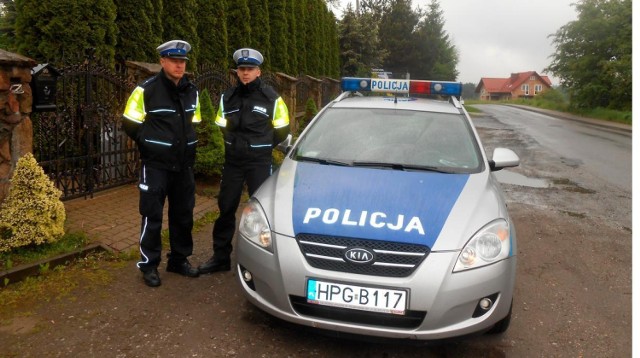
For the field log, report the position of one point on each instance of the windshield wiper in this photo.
(397, 166)
(323, 161)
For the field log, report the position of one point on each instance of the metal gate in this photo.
(81, 145)
(215, 80)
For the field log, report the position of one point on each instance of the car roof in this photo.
(403, 103)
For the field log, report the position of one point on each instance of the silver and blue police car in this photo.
(384, 219)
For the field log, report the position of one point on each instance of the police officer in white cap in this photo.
(160, 116)
(253, 119)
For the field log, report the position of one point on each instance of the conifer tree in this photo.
(333, 47)
(435, 56)
(358, 44)
(398, 25)
(260, 31)
(155, 17)
(53, 30)
(302, 28)
(328, 26)
(312, 39)
(279, 35)
(136, 39)
(322, 55)
(210, 149)
(180, 24)
(292, 24)
(238, 27)
(7, 31)
(32, 213)
(212, 32)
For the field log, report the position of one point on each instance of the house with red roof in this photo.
(519, 85)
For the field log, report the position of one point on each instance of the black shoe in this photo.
(215, 265)
(183, 268)
(151, 277)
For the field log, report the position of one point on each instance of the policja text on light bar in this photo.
(384, 85)
(446, 88)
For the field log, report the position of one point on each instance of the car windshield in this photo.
(391, 139)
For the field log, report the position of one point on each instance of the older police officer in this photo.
(160, 116)
(253, 119)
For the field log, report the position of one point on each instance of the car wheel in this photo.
(503, 324)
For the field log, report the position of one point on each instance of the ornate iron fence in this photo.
(81, 144)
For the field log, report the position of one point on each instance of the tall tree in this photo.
(212, 32)
(155, 17)
(359, 46)
(260, 31)
(322, 39)
(435, 57)
(7, 28)
(593, 55)
(302, 28)
(180, 23)
(57, 30)
(375, 8)
(136, 39)
(398, 25)
(292, 24)
(312, 39)
(333, 47)
(279, 35)
(238, 26)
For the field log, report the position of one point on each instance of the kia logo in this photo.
(359, 256)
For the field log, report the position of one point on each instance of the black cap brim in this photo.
(178, 57)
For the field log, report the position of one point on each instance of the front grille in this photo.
(392, 259)
(411, 319)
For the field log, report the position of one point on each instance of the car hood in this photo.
(441, 211)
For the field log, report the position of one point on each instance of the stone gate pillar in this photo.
(16, 130)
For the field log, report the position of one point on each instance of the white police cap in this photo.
(174, 49)
(247, 57)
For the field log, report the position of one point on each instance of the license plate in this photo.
(363, 298)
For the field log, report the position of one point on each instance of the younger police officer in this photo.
(160, 117)
(253, 119)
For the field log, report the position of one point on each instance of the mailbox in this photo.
(44, 78)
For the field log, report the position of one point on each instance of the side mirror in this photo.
(503, 158)
(285, 145)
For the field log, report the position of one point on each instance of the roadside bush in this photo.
(32, 213)
(210, 149)
(554, 95)
(552, 99)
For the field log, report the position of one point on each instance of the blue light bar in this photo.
(445, 88)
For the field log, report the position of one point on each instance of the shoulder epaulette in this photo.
(269, 92)
(149, 81)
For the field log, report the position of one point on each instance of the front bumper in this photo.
(441, 304)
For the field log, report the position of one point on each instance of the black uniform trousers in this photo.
(234, 174)
(155, 186)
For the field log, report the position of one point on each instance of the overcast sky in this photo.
(495, 38)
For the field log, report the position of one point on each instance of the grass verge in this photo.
(604, 114)
(24, 255)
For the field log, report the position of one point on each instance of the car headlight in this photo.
(255, 227)
(491, 244)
